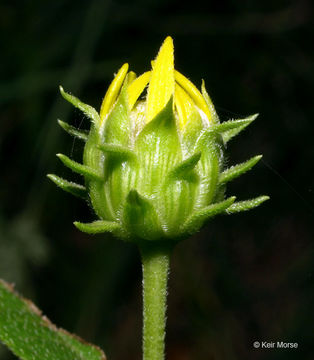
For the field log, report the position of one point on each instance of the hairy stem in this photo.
(155, 260)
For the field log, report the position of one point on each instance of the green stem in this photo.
(155, 260)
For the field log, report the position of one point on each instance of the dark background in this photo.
(243, 278)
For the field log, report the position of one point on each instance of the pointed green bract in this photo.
(80, 168)
(79, 134)
(158, 149)
(231, 128)
(69, 186)
(246, 205)
(31, 336)
(117, 125)
(97, 227)
(183, 169)
(94, 158)
(177, 194)
(176, 201)
(197, 219)
(209, 103)
(191, 132)
(209, 166)
(140, 218)
(237, 170)
(161, 131)
(121, 152)
(88, 110)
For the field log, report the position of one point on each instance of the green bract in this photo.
(154, 169)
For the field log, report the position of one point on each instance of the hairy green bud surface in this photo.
(153, 165)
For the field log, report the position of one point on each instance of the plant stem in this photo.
(155, 260)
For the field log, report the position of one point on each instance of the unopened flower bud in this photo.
(153, 161)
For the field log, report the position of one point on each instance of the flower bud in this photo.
(153, 161)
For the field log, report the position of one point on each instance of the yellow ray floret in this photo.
(113, 92)
(137, 87)
(131, 77)
(161, 85)
(197, 97)
(184, 105)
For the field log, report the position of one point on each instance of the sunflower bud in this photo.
(153, 163)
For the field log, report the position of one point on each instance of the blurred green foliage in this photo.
(32, 336)
(243, 278)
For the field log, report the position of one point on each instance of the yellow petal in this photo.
(137, 87)
(184, 105)
(191, 89)
(161, 85)
(131, 77)
(112, 92)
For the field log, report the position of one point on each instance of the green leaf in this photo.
(80, 134)
(184, 168)
(197, 219)
(231, 128)
(31, 336)
(140, 217)
(246, 205)
(98, 226)
(80, 168)
(88, 110)
(69, 186)
(237, 170)
(118, 151)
